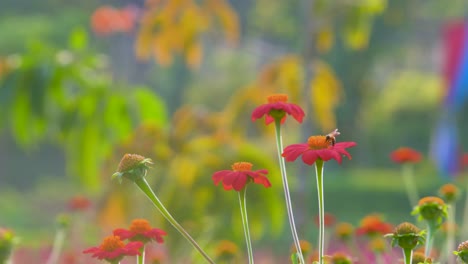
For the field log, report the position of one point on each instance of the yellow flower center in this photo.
(318, 142)
(241, 166)
(112, 243)
(140, 226)
(274, 98)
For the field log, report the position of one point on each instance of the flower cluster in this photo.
(113, 249)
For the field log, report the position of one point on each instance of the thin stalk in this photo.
(411, 190)
(141, 257)
(57, 247)
(145, 187)
(408, 255)
(319, 173)
(245, 224)
(429, 239)
(379, 258)
(450, 243)
(279, 145)
(464, 229)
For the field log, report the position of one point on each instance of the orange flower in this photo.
(113, 249)
(79, 203)
(226, 250)
(431, 208)
(405, 155)
(106, 20)
(306, 247)
(344, 231)
(329, 219)
(278, 107)
(449, 192)
(140, 230)
(240, 175)
(372, 225)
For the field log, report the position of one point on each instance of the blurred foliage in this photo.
(176, 26)
(69, 98)
(361, 66)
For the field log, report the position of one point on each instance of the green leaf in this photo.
(150, 107)
(78, 40)
(294, 258)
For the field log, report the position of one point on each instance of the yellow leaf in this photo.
(162, 51)
(194, 55)
(324, 40)
(326, 92)
(184, 169)
(113, 215)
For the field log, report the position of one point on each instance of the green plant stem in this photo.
(408, 255)
(450, 243)
(411, 190)
(464, 229)
(279, 145)
(141, 258)
(57, 247)
(431, 228)
(245, 223)
(379, 258)
(319, 174)
(146, 189)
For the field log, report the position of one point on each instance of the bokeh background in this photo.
(83, 82)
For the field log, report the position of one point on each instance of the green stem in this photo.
(319, 173)
(411, 190)
(431, 228)
(379, 258)
(464, 229)
(57, 247)
(450, 243)
(245, 223)
(141, 257)
(408, 254)
(279, 145)
(144, 186)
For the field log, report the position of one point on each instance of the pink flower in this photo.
(239, 176)
(277, 107)
(317, 147)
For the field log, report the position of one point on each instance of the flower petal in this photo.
(219, 175)
(310, 156)
(239, 182)
(291, 152)
(123, 233)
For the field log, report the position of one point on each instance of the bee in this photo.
(330, 137)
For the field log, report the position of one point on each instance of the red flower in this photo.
(140, 230)
(464, 161)
(405, 155)
(114, 250)
(239, 176)
(317, 147)
(79, 203)
(373, 225)
(277, 107)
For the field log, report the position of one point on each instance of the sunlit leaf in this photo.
(78, 39)
(326, 92)
(150, 108)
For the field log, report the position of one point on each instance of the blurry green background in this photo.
(73, 101)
